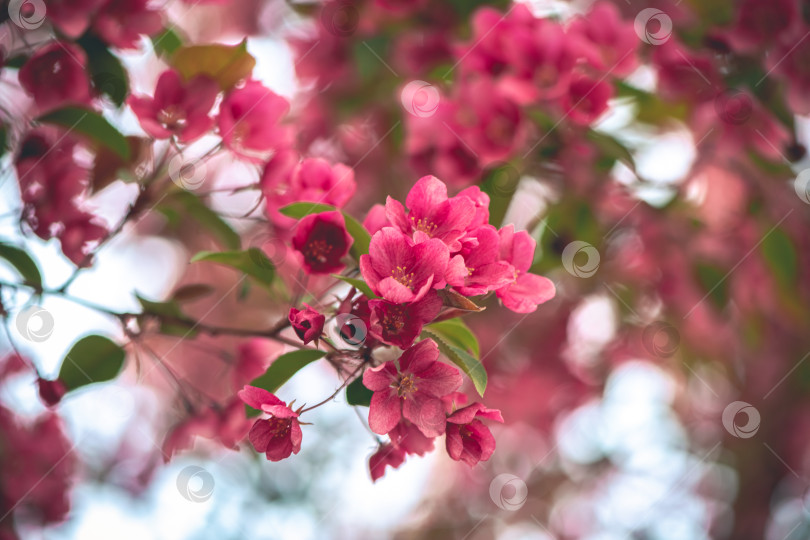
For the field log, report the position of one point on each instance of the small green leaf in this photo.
(358, 284)
(226, 64)
(166, 42)
(358, 394)
(713, 281)
(455, 332)
(90, 124)
(252, 262)
(92, 359)
(181, 204)
(23, 263)
(284, 367)
(468, 364)
(780, 255)
(359, 233)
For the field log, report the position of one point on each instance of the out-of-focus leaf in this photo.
(455, 332)
(780, 255)
(651, 109)
(358, 284)
(366, 55)
(167, 42)
(464, 360)
(612, 148)
(172, 319)
(108, 166)
(359, 233)
(358, 394)
(90, 124)
(91, 359)
(180, 205)
(227, 64)
(192, 292)
(22, 263)
(713, 280)
(106, 71)
(284, 367)
(252, 262)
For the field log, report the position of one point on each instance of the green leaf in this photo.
(359, 233)
(106, 72)
(468, 363)
(358, 394)
(172, 319)
(166, 42)
(182, 204)
(90, 124)
(226, 64)
(358, 284)
(455, 332)
(284, 367)
(780, 255)
(712, 279)
(23, 263)
(612, 148)
(91, 359)
(252, 262)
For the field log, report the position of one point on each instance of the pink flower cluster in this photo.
(249, 118)
(512, 62)
(52, 184)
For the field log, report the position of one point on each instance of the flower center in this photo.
(401, 274)
(318, 250)
(406, 386)
(279, 427)
(393, 321)
(424, 225)
(172, 117)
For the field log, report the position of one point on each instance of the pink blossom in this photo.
(178, 108)
(400, 324)
(607, 42)
(481, 202)
(483, 271)
(322, 241)
(55, 76)
(81, 232)
(413, 390)
(376, 219)
(401, 271)
(250, 121)
(227, 424)
(72, 17)
(278, 436)
(122, 22)
(253, 358)
(307, 323)
(386, 455)
(50, 392)
(467, 438)
(527, 290)
(586, 100)
(407, 437)
(287, 180)
(431, 213)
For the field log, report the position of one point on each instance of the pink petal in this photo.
(526, 293)
(260, 435)
(385, 411)
(438, 379)
(256, 397)
(419, 357)
(426, 413)
(380, 377)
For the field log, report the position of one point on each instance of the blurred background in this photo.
(655, 151)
